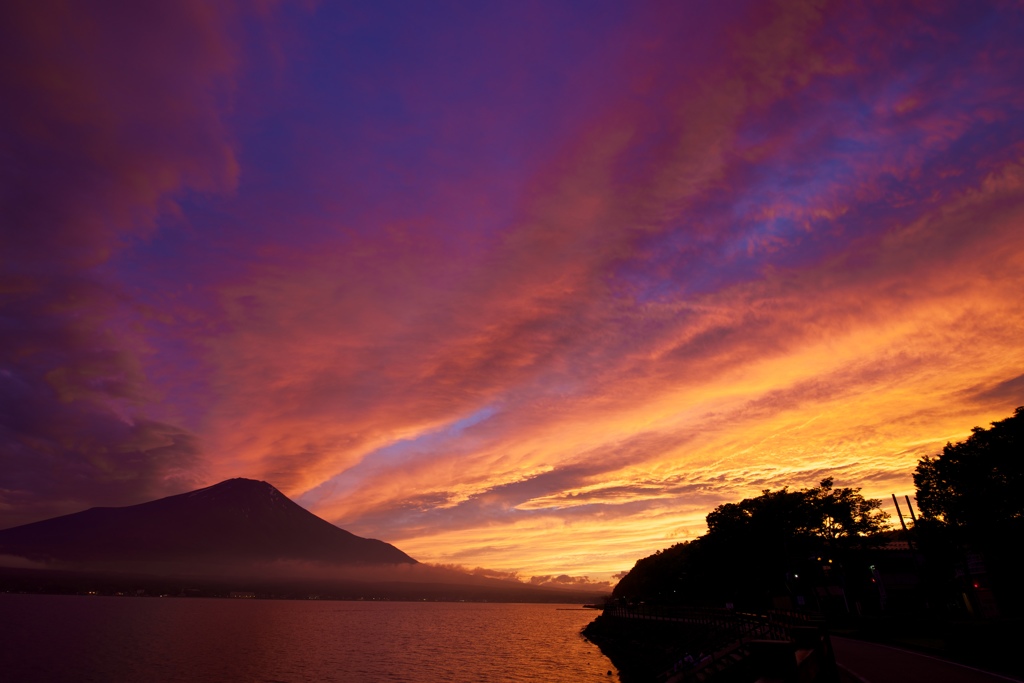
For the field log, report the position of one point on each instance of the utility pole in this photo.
(899, 512)
(918, 560)
(911, 509)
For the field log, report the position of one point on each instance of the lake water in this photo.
(56, 638)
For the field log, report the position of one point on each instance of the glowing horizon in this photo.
(529, 288)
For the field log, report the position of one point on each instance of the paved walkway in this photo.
(873, 663)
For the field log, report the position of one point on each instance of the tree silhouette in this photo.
(976, 484)
(823, 512)
(971, 496)
(754, 549)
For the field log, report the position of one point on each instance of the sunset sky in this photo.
(528, 286)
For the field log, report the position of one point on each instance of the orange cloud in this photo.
(750, 251)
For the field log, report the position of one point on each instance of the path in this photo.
(873, 663)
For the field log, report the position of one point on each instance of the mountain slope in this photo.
(235, 521)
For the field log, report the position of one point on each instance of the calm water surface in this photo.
(76, 638)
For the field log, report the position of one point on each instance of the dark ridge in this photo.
(238, 520)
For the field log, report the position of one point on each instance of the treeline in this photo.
(832, 549)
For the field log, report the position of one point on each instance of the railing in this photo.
(729, 632)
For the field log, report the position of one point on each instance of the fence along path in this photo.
(731, 633)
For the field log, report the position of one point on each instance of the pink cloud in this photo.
(481, 308)
(110, 113)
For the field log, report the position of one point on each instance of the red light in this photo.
(975, 585)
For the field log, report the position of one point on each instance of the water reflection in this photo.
(77, 638)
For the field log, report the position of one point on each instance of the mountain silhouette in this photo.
(238, 535)
(238, 521)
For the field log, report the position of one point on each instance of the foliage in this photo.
(976, 484)
(751, 547)
(784, 542)
(822, 512)
(660, 575)
(970, 497)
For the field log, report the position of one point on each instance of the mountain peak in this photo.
(239, 489)
(236, 520)
(241, 483)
